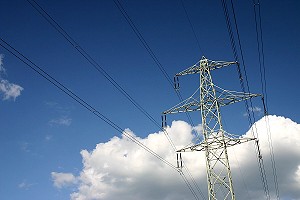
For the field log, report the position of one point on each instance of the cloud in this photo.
(7, 89)
(25, 147)
(10, 90)
(55, 106)
(254, 109)
(64, 121)
(121, 169)
(63, 179)
(25, 185)
(48, 137)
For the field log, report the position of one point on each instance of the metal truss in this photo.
(208, 99)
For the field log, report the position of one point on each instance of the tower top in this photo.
(205, 63)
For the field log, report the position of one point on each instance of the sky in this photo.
(53, 148)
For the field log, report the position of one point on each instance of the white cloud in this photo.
(25, 147)
(25, 185)
(121, 169)
(63, 179)
(63, 110)
(254, 109)
(65, 121)
(48, 137)
(7, 89)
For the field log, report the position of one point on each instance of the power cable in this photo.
(143, 41)
(191, 25)
(99, 69)
(48, 18)
(243, 178)
(194, 181)
(259, 158)
(260, 49)
(150, 52)
(153, 56)
(231, 35)
(189, 185)
(79, 100)
(263, 84)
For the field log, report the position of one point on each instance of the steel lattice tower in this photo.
(208, 99)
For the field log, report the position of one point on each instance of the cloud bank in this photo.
(119, 169)
(7, 89)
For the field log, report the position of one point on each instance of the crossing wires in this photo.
(89, 58)
(162, 69)
(150, 52)
(79, 100)
(101, 70)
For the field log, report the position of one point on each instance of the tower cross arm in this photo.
(184, 106)
(230, 97)
(203, 64)
(216, 142)
(223, 98)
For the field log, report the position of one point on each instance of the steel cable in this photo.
(106, 75)
(260, 49)
(78, 99)
(250, 117)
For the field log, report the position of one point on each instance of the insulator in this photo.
(258, 149)
(163, 121)
(176, 82)
(264, 105)
(180, 161)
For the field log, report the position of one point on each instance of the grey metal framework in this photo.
(208, 99)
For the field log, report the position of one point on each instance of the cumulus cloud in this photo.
(121, 169)
(63, 179)
(7, 89)
(286, 147)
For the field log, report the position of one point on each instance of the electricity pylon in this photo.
(208, 99)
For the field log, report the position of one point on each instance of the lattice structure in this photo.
(208, 99)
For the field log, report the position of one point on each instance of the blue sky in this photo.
(43, 130)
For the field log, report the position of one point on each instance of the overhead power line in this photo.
(192, 27)
(90, 60)
(261, 58)
(143, 41)
(59, 28)
(79, 100)
(250, 113)
(150, 52)
(162, 69)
